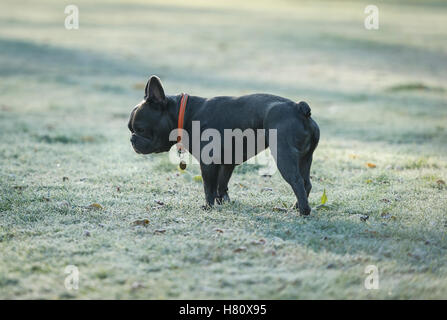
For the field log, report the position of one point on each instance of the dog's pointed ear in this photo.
(154, 90)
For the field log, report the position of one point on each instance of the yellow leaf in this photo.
(198, 178)
(324, 197)
(371, 165)
(353, 156)
(368, 181)
(95, 206)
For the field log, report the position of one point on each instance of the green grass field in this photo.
(379, 97)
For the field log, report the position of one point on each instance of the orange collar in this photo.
(181, 117)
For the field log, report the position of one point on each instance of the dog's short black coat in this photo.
(297, 133)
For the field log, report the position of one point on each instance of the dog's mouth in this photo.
(135, 149)
(141, 150)
(144, 149)
(143, 145)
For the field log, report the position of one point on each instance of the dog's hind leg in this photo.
(304, 165)
(225, 171)
(288, 166)
(288, 160)
(306, 160)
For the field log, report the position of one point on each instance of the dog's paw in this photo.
(223, 199)
(303, 211)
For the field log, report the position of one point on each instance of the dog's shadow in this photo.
(331, 230)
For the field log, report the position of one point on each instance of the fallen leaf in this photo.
(87, 233)
(160, 230)
(324, 197)
(198, 178)
(64, 178)
(142, 222)
(369, 181)
(386, 200)
(278, 209)
(95, 206)
(161, 203)
(218, 230)
(240, 249)
(266, 189)
(370, 165)
(353, 156)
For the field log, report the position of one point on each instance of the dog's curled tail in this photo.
(304, 109)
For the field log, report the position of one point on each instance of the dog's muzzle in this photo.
(133, 141)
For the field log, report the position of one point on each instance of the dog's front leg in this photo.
(225, 171)
(210, 174)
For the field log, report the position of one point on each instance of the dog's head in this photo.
(149, 121)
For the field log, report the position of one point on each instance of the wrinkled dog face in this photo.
(149, 121)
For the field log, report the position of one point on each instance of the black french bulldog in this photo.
(152, 121)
